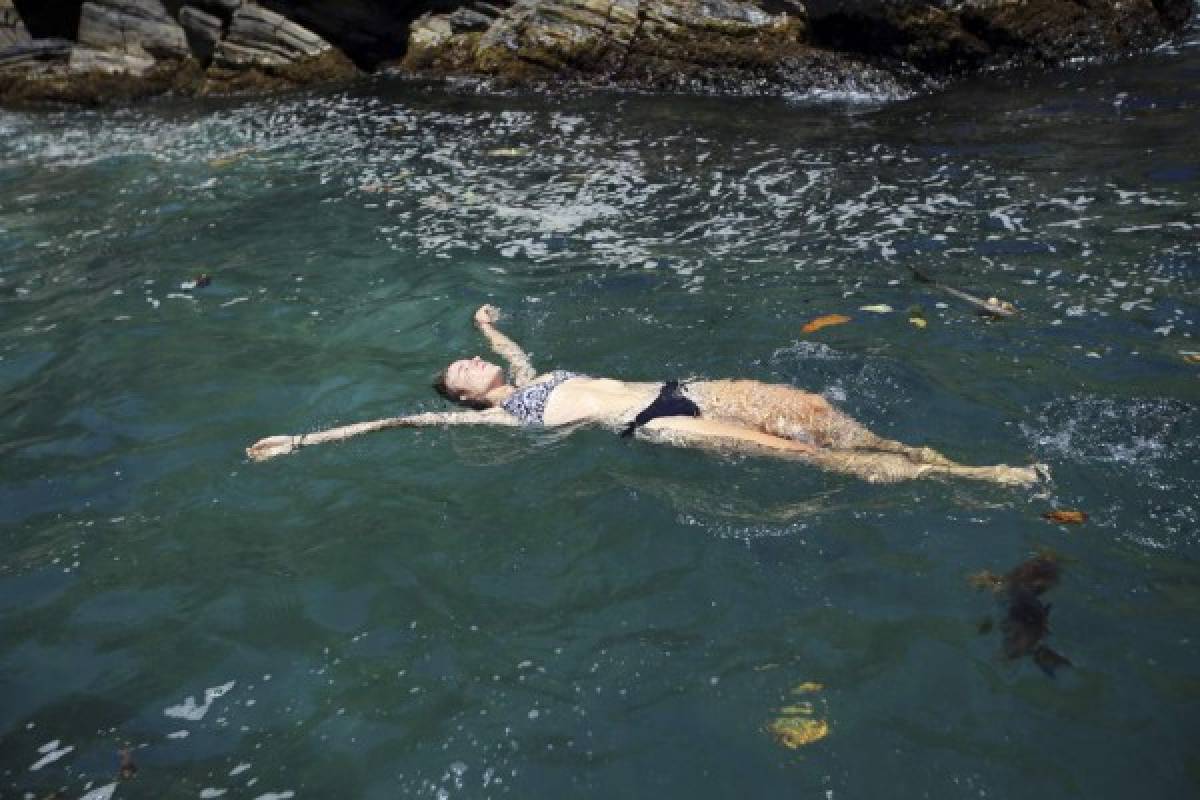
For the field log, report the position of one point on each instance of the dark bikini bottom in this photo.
(669, 403)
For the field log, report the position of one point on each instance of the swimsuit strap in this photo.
(528, 404)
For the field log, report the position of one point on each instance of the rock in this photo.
(36, 56)
(535, 39)
(448, 42)
(943, 37)
(261, 38)
(138, 27)
(879, 46)
(669, 42)
(838, 44)
(329, 67)
(714, 41)
(203, 31)
(94, 86)
(12, 27)
(113, 62)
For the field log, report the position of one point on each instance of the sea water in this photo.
(494, 612)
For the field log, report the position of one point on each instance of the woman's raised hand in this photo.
(270, 447)
(487, 315)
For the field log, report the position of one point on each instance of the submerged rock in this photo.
(1026, 623)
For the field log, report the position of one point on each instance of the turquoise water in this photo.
(486, 613)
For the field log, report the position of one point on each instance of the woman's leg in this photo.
(794, 414)
(875, 467)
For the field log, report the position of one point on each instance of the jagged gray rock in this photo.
(12, 27)
(204, 31)
(84, 59)
(137, 27)
(36, 56)
(707, 45)
(261, 38)
(781, 43)
(664, 42)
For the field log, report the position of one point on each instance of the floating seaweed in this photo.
(796, 732)
(1066, 516)
(796, 727)
(812, 326)
(1027, 618)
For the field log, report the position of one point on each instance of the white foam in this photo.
(193, 712)
(51, 752)
(103, 793)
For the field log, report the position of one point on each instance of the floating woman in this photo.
(731, 416)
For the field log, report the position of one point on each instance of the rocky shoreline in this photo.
(105, 51)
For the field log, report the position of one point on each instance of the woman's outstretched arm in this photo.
(519, 363)
(282, 445)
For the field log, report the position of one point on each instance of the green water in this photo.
(486, 613)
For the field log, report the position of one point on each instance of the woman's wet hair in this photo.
(439, 386)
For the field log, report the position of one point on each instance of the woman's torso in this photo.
(581, 398)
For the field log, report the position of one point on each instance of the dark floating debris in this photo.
(199, 282)
(1027, 621)
(128, 768)
(992, 307)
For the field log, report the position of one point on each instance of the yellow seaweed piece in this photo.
(918, 322)
(1192, 358)
(797, 732)
(799, 708)
(808, 686)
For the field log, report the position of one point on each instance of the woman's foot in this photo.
(1001, 474)
(1014, 476)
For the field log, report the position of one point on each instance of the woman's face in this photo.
(473, 377)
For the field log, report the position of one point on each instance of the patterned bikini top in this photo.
(528, 405)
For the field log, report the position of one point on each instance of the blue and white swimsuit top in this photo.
(528, 405)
